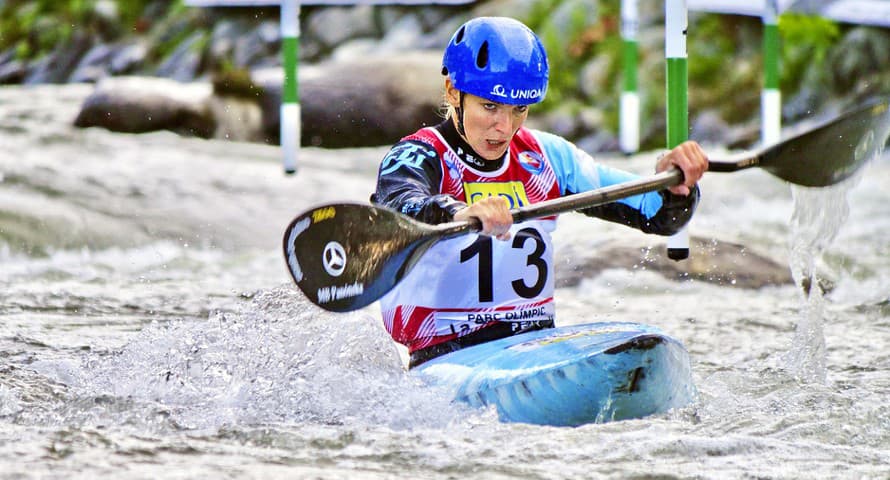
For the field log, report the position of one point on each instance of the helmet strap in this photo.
(459, 111)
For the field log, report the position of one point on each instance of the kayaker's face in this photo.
(488, 126)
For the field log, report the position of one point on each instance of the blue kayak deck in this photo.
(570, 375)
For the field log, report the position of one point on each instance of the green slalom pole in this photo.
(290, 96)
(676, 22)
(771, 97)
(629, 134)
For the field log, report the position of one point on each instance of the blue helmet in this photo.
(499, 59)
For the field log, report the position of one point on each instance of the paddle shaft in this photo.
(600, 196)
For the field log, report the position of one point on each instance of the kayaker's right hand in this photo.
(493, 212)
(690, 159)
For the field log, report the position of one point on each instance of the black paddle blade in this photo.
(832, 152)
(345, 256)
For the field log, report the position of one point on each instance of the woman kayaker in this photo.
(479, 163)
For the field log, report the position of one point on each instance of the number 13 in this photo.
(483, 248)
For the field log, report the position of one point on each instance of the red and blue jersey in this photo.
(466, 284)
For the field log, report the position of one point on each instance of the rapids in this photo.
(149, 328)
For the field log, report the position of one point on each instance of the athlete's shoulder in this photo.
(411, 153)
(547, 139)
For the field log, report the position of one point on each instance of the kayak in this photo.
(570, 376)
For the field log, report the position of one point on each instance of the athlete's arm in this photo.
(408, 181)
(662, 212)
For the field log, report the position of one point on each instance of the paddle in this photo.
(346, 256)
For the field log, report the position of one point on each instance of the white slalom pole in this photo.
(771, 97)
(629, 130)
(676, 22)
(290, 96)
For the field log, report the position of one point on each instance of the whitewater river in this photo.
(149, 329)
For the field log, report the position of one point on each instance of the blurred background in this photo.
(368, 74)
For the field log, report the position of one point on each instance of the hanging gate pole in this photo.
(629, 130)
(771, 97)
(290, 96)
(675, 19)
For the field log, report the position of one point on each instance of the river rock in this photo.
(713, 261)
(332, 26)
(236, 119)
(860, 54)
(93, 65)
(12, 70)
(184, 63)
(145, 104)
(107, 59)
(128, 58)
(58, 65)
(369, 101)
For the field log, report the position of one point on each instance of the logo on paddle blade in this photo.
(334, 259)
(323, 214)
(342, 292)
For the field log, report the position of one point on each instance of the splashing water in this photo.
(278, 359)
(818, 215)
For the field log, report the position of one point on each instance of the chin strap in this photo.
(459, 111)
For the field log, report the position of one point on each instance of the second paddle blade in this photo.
(346, 256)
(833, 152)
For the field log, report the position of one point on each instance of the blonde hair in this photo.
(446, 110)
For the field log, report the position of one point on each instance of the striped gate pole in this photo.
(290, 45)
(771, 97)
(290, 96)
(676, 23)
(629, 134)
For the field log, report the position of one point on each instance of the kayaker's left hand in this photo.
(688, 157)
